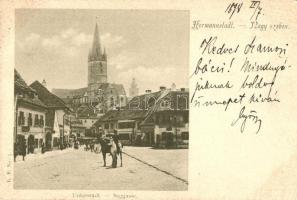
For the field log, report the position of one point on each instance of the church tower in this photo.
(133, 91)
(97, 62)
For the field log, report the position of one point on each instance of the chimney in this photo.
(162, 88)
(44, 83)
(183, 89)
(173, 87)
(148, 91)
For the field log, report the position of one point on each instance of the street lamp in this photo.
(175, 129)
(62, 135)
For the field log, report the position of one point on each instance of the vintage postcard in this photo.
(148, 100)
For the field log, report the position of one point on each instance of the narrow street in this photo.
(79, 169)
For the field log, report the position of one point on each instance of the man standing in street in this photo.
(116, 139)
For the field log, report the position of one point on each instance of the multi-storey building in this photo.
(30, 116)
(58, 118)
(157, 118)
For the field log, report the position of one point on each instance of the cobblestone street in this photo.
(79, 169)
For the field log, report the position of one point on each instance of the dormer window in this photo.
(31, 95)
(99, 91)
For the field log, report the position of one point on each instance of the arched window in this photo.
(151, 102)
(111, 102)
(101, 68)
(182, 103)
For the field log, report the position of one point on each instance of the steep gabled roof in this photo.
(114, 115)
(85, 110)
(48, 98)
(64, 93)
(19, 82)
(34, 101)
(28, 96)
(119, 88)
(139, 102)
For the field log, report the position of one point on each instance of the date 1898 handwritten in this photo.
(235, 8)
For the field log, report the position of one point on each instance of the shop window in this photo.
(36, 143)
(55, 142)
(124, 125)
(40, 142)
(164, 135)
(186, 117)
(124, 136)
(185, 135)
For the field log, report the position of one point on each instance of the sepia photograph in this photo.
(101, 99)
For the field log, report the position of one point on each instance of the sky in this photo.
(150, 46)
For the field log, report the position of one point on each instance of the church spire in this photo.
(96, 53)
(104, 54)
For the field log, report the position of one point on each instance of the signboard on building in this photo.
(25, 128)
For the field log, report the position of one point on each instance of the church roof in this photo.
(64, 93)
(70, 93)
(118, 88)
(48, 98)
